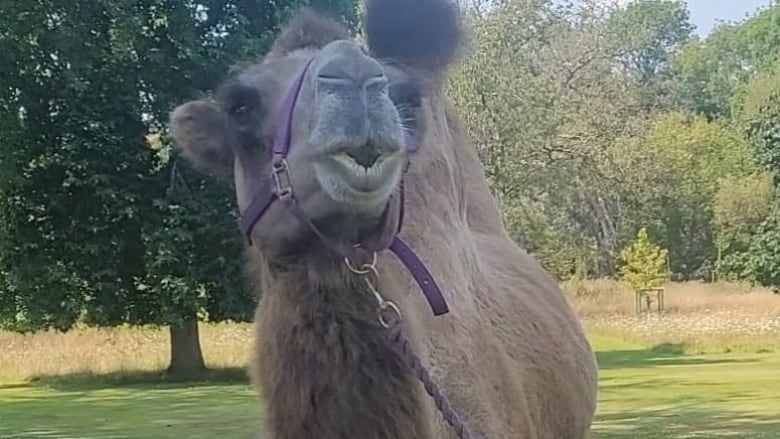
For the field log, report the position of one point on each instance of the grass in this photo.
(705, 369)
(662, 393)
(113, 351)
(705, 318)
(138, 411)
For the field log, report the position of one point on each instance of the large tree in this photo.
(644, 35)
(759, 258)
(528, 90)
(99, 222)
(709, 73)
(572, 108)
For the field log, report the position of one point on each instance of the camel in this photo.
(339, 150)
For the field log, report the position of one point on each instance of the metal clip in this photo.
(387, 312)
(281, 175)
(385, 308)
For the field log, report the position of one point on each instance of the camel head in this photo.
(348, 117)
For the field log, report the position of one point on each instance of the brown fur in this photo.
(308, 30)
(511, 355)
(320, 337)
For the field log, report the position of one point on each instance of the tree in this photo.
(535, 72)
(580, 114)
(761, 119)
(740, 206)
(689, 156)
(98, 221)
(710, 73)
(644, 263)
(760, 262)
(644, 36)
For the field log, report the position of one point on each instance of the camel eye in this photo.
(241, 114)
(240, 110)
(241, 102)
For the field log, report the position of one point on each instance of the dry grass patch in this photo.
(114, 350)
(705, 317)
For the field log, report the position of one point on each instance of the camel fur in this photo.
(511, 355)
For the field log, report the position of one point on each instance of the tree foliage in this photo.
(643, 263)
(582, 154)
(527, 90)
(711, 73)
(691, 156)
(100, 223)
(644, 36)
(757, 257)
(740, 205)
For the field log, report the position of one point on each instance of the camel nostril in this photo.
(365, 157)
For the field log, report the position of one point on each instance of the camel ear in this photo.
(200, 131)
(423, 34)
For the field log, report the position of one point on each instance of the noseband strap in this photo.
(273, 187)
(278, 186)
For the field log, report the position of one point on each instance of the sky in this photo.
(707, 13)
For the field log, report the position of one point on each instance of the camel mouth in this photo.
(365, 157)
(364, 170)
(360, 178)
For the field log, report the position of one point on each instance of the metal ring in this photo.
(365, 268)
(384, 306)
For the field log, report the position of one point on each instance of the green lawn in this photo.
(645, 393)
(659, 393)
(225, 411)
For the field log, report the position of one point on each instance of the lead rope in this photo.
(389, 317)
(402, 345)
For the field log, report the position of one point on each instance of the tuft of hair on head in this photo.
(422, 34)
(308, 29)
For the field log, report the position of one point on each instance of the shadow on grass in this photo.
(665, 354)
(684, 421)
(130, 378)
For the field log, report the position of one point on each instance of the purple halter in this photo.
(278, 186)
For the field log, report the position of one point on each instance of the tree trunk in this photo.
(186, 356)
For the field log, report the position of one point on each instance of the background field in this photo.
(705, 369)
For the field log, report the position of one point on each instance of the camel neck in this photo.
(325, 369)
